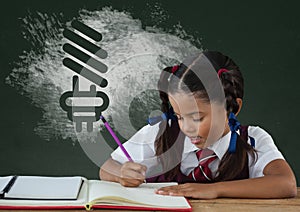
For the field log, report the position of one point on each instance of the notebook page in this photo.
(34, 187)
(144, 194)
(4, 181)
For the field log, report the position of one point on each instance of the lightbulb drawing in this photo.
(84, 113)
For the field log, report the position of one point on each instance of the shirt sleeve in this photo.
(140, 147)
(266, 151)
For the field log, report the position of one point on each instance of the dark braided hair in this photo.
(231, 165)
(168, 135)
(232, 80)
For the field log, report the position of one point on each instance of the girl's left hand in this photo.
(194, 190)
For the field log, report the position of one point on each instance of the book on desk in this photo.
(40, 192)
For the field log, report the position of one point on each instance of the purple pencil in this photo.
(115, 138)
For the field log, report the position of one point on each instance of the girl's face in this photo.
(204, 123)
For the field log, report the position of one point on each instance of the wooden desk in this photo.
(230, 205)
(247, 205)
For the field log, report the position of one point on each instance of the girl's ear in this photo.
(240, 103)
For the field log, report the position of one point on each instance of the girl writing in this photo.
(199, 143)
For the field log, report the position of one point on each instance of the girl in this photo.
(198, 141)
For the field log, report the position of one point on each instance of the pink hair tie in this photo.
(221, 71)
(175, 68)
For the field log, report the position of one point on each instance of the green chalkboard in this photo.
(262, 37)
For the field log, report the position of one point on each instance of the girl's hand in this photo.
(194, 190)
(132, 174)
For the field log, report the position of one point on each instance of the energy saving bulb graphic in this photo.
(82, 108)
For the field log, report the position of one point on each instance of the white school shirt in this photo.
(141, 149)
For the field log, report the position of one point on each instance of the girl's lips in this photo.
(197, 140)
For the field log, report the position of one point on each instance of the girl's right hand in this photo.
(132, 174)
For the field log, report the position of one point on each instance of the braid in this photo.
(232, 80)
(233, 85)
(164, 102)
(161, 146)
(168, 134)
(232, 90)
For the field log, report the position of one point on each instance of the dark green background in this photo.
(263, 37)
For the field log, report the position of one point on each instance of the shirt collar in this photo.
(221, 146)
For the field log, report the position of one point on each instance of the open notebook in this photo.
(32, 192)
